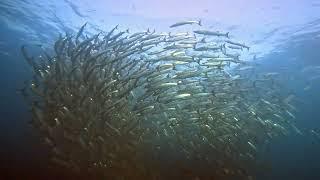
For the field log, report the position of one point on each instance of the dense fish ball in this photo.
(115, 104)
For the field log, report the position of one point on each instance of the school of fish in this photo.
(116, 104)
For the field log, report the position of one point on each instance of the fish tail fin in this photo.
(213, 93)
(200, 22)
(238, 57)
(194, 45)
(203, 40)
(205, 74)
(227, 35)
(158, 99)
(223, 47)
(169, 34)
(197, 60)
(254, 84)
(148, 30)
(127, 31)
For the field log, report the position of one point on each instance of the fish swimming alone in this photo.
(186, 23)
(237, 44)
(212, 33)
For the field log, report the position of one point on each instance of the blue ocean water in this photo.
(284, 37)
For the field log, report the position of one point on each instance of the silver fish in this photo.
(186, 23)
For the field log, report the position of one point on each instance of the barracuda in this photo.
(108, 102)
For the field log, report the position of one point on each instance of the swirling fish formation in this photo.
(117, 104)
